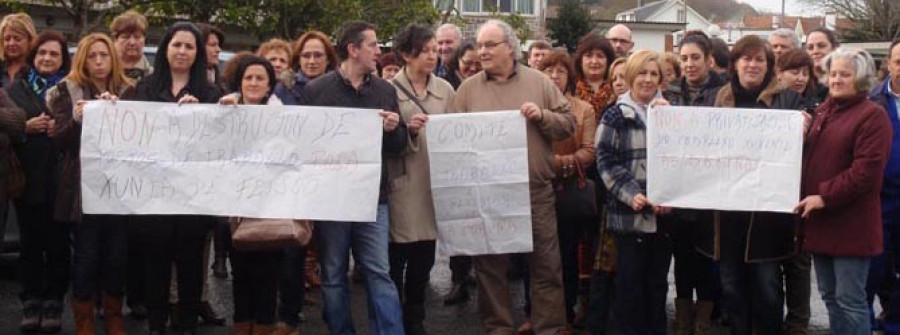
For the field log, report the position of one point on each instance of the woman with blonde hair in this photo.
(638, 226)
(17, 37)
(99, 240)
(278, 53)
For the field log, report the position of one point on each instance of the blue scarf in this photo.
(40, 84)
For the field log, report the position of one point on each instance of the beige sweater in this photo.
(481, 94)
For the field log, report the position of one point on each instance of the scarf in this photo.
(603, 97)
(39, 84)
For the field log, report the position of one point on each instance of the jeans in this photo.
(169, 239)
(291, 285)
(100, 256)
(411, 265)
(753, 295)
(255, 285)
(842, 284)
(369, 242)
(46, 254)
(641, 282)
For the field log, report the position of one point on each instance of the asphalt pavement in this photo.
(440, 319)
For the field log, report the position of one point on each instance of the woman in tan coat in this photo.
(412, 224)
(572, 155)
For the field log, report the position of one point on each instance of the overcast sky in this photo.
(791, 7)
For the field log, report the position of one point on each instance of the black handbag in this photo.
(576, 196)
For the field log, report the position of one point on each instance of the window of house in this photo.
(682, 15)
(502, 6)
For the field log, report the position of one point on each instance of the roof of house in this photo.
(643, 13)
(765, 22)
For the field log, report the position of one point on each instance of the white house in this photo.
(659, 25)
(476, 12)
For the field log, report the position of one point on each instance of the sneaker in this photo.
(51, 319)
(31, 316)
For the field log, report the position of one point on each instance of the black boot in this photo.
(459, 294)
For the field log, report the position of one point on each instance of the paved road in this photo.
(441, 319)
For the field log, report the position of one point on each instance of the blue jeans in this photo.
(883, 272)
(753, 294)
(369, 242)
(842, 283)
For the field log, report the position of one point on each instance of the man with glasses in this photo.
(620, 37)
(505, 84)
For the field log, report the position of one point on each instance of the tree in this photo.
(873, 20)
(87, 15)
(571, 23)
(289, 18)
(515, 20)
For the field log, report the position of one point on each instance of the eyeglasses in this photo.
(488, 45)
(309, 55)
(620, 40)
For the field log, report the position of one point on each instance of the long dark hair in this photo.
(242, 67)
(161, 79)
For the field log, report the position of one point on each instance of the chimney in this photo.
(831, 20)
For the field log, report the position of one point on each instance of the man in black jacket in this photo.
(353, 85)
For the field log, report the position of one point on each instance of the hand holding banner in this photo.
(479, 180)
(724, 158)
(250, 161)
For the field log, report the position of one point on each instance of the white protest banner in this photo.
(252, 161)
(724, 158)
(479, 181)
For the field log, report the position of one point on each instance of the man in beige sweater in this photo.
(504, 85)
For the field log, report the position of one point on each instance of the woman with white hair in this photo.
(844, 158)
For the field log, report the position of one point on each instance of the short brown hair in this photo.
(274, 44)
(798, 59)
(636, 63)
(540, 45)
(672, 58)
(748, 45)
(560, 58)
(128, 22)
(318, 35)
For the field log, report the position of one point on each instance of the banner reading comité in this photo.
(724, 158)
(479, 181)
(252, 161)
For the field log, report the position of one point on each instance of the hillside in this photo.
(713, 10)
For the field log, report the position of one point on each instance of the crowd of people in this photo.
(591, 270)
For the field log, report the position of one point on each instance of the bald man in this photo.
(620, 37)
(448, 37)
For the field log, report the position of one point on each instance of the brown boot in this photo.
(312, 276)
(243, 328)
(702, 324)
(285, 329)
(683, 316)
(112, 315)
(259, 329)
(84, 317)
